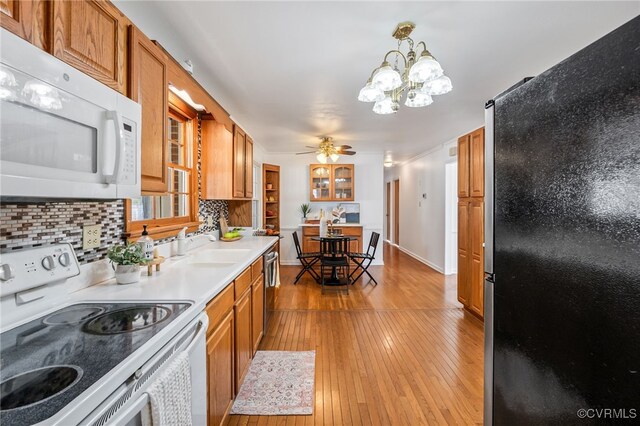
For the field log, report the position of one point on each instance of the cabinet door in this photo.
(17, 17)
(91, 35)
(238, 162)
(148, 76)
(320, 182)
(476, 167)
(343, 182)
(248, 168)
(220, 385)
(257, 312)
(463, 166)
(217, 161)
(476, 279)
(463, 252)
(243, 343)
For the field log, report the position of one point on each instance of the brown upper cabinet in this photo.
(148, 78)
(476, 166)
(17, 17)
(463, 166)
(471, 164)
(217, 161)
(331, 182)
(91, 35)
(242, 164)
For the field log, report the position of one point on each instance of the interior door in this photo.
(388, 212)
(396, 211)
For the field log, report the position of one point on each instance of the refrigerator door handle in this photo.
(488, 350)
(488, 186)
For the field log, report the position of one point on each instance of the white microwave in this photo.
(62, 133)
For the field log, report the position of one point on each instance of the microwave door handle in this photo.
(117, 122)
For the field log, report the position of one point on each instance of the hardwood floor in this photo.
(400, 353)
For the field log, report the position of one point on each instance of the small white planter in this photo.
(127, 274)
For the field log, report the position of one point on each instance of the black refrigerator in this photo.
(562, 241)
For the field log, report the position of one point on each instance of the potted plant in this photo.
(127, 259)
(305, 209)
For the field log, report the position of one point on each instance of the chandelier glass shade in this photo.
(420, 79)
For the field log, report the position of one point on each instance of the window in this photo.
(166, 213)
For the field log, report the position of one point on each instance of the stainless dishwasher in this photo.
(270, 290)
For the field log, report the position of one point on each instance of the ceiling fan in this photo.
(328, 150)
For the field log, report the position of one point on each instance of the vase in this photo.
(127, 274)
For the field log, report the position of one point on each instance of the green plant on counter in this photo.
(126, 254)
(305, 209)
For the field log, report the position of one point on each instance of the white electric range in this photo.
(84, 363)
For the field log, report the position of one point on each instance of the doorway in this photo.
(388, 213)
(451, 219)
(396, 212)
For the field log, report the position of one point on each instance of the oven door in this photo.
(125, 406)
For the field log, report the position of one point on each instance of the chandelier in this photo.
(421, 79)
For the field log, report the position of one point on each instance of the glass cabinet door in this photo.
(343, 182)
(320, 182)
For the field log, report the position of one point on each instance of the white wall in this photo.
(422, 220)
(294, 190)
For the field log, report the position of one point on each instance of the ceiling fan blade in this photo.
(339, 147)
(308, 152)
(347, 153)
(313, 147)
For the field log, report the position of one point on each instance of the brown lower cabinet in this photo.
(310, 245)
(471, 255)
(236, 318)
(244, 345)
(220, 388)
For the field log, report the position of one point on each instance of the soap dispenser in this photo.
(182, 242)
(146, 243)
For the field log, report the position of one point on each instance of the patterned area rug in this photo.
(278, 383)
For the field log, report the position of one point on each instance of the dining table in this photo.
(333, 239)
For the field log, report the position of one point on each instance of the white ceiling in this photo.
(289, 72)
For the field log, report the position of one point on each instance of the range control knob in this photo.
(64, 259)
(6, 272)
(48, 263)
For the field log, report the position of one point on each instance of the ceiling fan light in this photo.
(386, 106)
(334, 157)
(426, 68)
(438, 86)
(386, 78)
(370, 93)
(417, 98)
(321, 158)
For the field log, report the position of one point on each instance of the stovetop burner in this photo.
(127, 320)
(37, 385)
(73, 316)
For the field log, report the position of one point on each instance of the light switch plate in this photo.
(91, 236)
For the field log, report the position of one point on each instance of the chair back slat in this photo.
(296, 242)
(337, 247)
(373, 243)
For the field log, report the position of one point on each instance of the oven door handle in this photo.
(130, 413)
(116, 118)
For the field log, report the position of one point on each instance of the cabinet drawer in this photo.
(219, 306)
(242, 282)
(256, 269)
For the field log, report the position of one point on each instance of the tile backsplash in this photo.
(24, 225)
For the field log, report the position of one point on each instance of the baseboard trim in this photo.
(421, 260)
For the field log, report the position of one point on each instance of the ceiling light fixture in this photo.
(422, 79)
(327, 150)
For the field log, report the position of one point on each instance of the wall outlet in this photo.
(91, 236)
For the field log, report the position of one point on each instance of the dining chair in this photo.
(334, 255)
(308, 260)
(363, 260)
